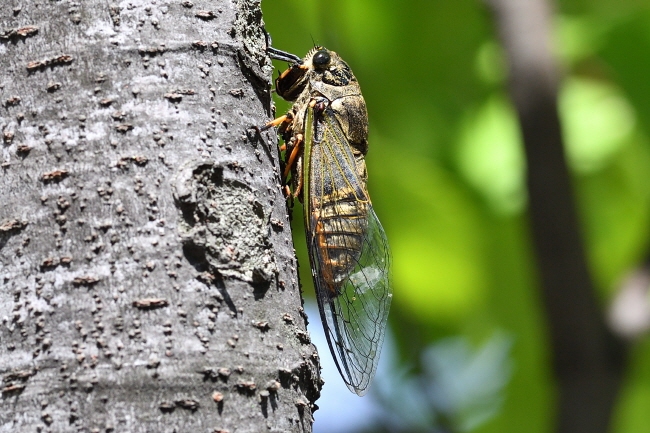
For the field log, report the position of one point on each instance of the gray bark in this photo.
(147, 274)
(588, 360)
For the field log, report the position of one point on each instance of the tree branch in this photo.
(588, 360)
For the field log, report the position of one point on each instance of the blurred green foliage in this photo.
(447, 172)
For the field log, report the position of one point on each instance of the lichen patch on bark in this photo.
(224, 228)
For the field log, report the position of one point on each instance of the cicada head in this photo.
(319, 65)
(328, 67)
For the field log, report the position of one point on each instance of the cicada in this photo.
(326, 140)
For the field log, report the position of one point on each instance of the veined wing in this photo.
(349, 252)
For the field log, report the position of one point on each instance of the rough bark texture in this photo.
(147, 273)
(588, 360)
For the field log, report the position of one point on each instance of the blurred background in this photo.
(468, 345)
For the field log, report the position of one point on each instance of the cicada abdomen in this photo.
(326, 134)
(341, 224)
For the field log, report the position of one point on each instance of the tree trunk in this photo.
(147, 274)
(588, 359)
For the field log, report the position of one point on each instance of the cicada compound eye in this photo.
(321, 59)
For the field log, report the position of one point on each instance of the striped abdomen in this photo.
(341, 224)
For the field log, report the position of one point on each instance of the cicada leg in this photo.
(298, 190)
(294, 147)
(318, 104)
(283, 122)
(294, 154)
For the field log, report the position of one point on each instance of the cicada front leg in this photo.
(293, 161)
(318, 105)
(299, 179)
(283, 122)
(293, 149)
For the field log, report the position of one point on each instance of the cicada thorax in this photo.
(341, 225)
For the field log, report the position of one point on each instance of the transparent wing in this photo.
(349, 254)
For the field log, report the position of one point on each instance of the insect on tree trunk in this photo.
(147, 274)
